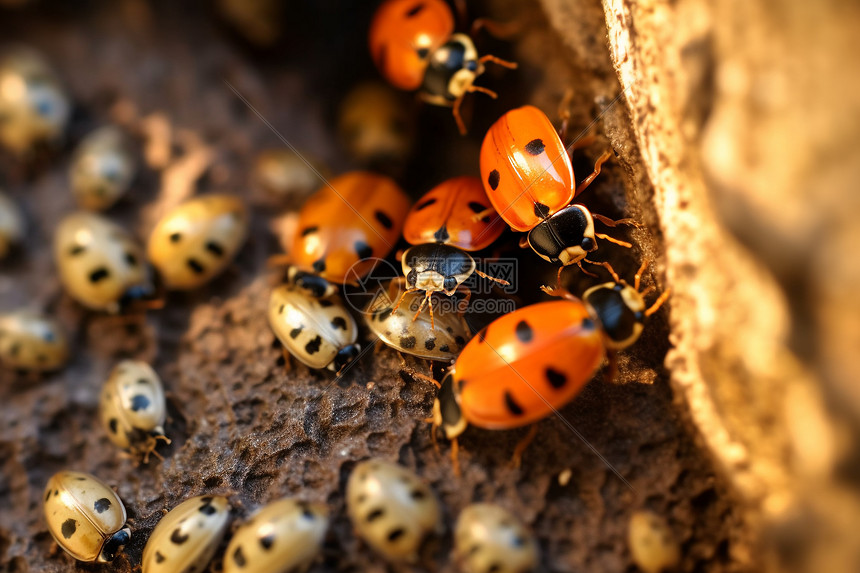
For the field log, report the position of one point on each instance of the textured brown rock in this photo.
(240, 424)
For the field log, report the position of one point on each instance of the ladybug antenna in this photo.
(637, 280)
(658, 303)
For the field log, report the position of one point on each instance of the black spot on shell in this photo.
(541, 210)
(99, 274)
(442, 235)
(175, 237)
(102, 505)
(418, 494)
(444, 348)
(139, 402)
(296, 331)
(374, 515)
(195, 266)
(407, 342)
(493, 179)
(524, 331)
(142, 381)
(267, 541)
(319, 266)
(535, 147)
(476, 207)
(338, 322)
(459, 340)
(130, 259)
(512, 405)
(415, 10)
(474, 549)
(430, 343)
(363, 250)
(422, 52)
(208, 509)
(239, 557)
(325, 303)
(215, 248)
(555, 378)
(384, 219)
(68, 528)
(313, 346)
(177, 537)
(483, 334)
(494, 568)
(518, 542)
(396, 534)
(48, 495)
(77, 250)
(159, 558)
(112, 425)
(281, 309)
(425, 204)
(308, 230)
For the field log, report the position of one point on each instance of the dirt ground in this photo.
(242, 424)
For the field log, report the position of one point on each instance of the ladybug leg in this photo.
(288, 360)
(498, 61)
(430, 304)
(455, 109)
(604, 157)
(579, 264)
(486, 276)
(455, 456)
(522, 445)
(618, 242)
(498, 30)
(614, 223)
(424, 377)
(524, 242)
(637, 279)
(611, 372)
(407, 291)
(658, 303)
(558, 278)
(608, 267)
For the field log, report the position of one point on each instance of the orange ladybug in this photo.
(527, 364)
(413, 44)
(356, 216)
(442, 226)
(528, 177)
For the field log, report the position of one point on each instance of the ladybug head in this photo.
(566, 237)
(620, 309)
(114, 545)
(344, 356)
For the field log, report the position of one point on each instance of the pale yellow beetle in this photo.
(652, 543)
(187, 537)
(195, 241)
(85, 516)
(133, 408)
(285, 536)
(11, 224)
(318, 331)
(101, 266)
(490, 538)
(102, 168)
(31, 341)
(391, 509)
(33, 104)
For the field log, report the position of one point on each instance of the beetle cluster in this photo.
(518, 369)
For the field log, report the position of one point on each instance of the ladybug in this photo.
(85, 516)
(531, 362)
(416, 337)
(488, 537)
(11, 225)
(32, 342)
(187, 537)
(34, 106)
(351, 219)
(377, 127)
(317, 330)
(442, 227)
(528, 177)
(391, 509)
(282, 175)
(194, 242)
(133, 409)
(100, 264)
(414, 47)
(286, 535)
(102, 169)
